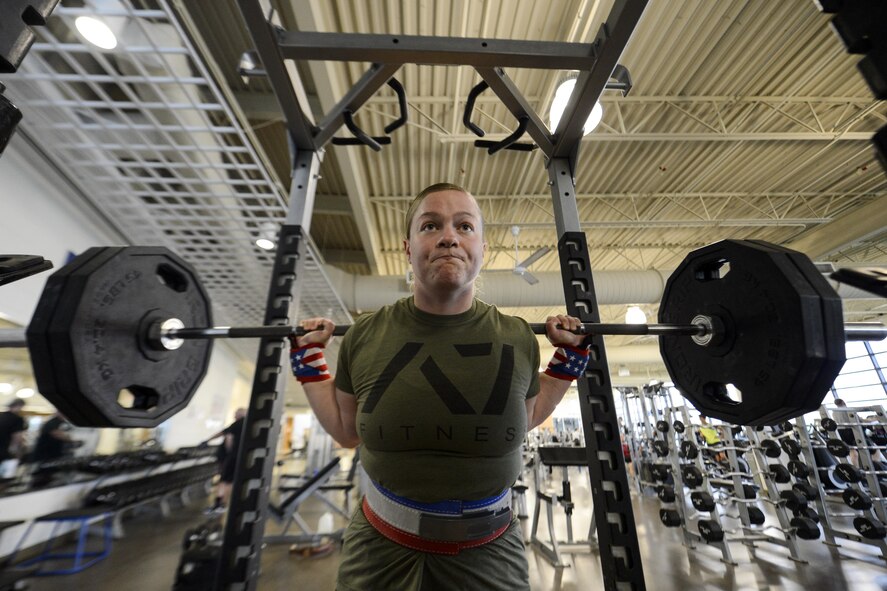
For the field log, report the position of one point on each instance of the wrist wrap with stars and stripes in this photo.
(308, 363)
(568, 363)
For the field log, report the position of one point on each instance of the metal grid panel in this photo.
(146, 134)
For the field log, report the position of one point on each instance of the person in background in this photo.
(711, 437)
(226, 455)
(12, 430)
(53, 443)
(846, 434)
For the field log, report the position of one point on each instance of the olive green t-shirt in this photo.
(440, 399)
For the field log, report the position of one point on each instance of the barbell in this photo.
(121, 336)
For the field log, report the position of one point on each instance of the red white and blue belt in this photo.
(445, 527)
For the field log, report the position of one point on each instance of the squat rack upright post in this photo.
(619, 550)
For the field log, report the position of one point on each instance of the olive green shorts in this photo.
(372, 562)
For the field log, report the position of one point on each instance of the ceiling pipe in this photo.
(365, 293)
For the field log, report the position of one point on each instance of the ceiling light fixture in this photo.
(634, 315)
(96, 32)
(267, 236)
(559, 103)
(25, 393)
(5, 388)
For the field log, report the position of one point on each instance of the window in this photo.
(862, 379)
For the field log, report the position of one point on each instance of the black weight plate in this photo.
(108, 335)
(812, 334)
(662, 426)
(770, 317)
(63, 349)
(660, 447)
(51, 368)
(38, 337)
(833, 323)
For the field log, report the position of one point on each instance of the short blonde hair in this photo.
(435, 188)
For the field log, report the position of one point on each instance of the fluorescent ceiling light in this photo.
(561, 98)
(5, 388)
(96, 32)
(265, 244)
(634, 315)
(25, 393)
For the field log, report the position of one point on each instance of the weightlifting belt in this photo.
(439, 528)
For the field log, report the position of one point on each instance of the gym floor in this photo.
(146, 559)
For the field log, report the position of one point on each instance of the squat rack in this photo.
(620, 558)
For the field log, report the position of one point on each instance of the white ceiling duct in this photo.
(366, 293)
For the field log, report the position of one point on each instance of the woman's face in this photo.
(446, 247)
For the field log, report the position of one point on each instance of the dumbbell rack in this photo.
(878, 510)
(769, 487)
(632, 397)
(691, 538)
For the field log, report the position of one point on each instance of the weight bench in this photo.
(287, 511)
(82, 558)
(552, 549)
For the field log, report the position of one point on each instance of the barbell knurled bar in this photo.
(169, 334)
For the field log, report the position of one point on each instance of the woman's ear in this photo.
(406, 249)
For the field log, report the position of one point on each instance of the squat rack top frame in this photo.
(619, 550)
(595, 62)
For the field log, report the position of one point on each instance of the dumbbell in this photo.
(850, 473)
(710, 530)
(770, 448)
(688, 450)
(665, 493)
(793, 500)
(670, 517)
(660, 472)
(805, 528)
(678, 427)
(830, 425)
(798, 469)
(692, 476)
(660, 446)
(806, 489)
(859, 500)
(840, 449)
(871, 529)
(750, 493)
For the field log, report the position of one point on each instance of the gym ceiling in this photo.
(746, 119)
